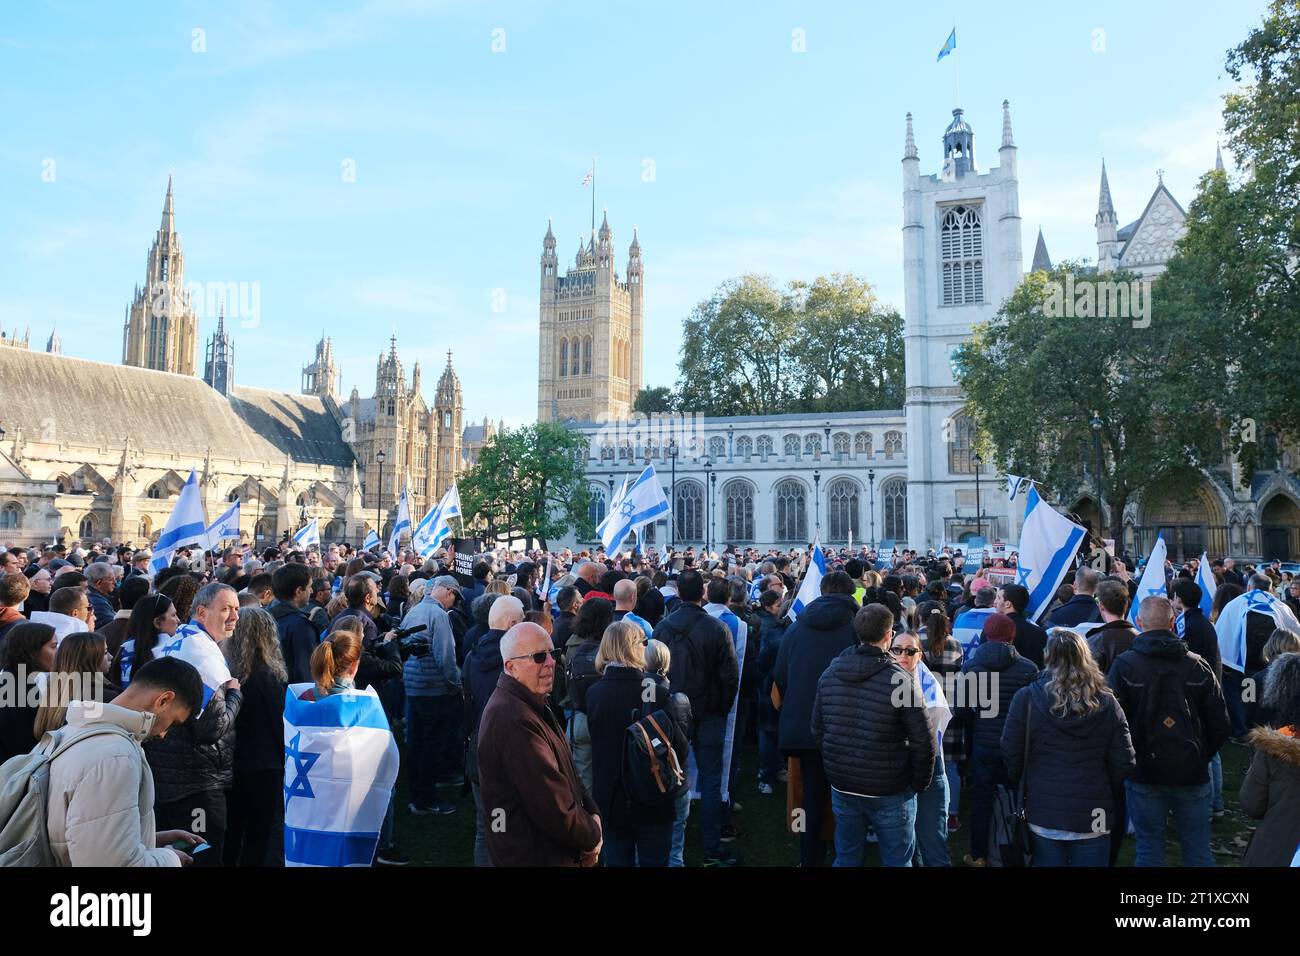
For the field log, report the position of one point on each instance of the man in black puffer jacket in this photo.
(876, 743)
(823, 629)
(995, 668)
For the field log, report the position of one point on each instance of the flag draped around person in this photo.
(187, 524)
(435, 527)
(1048, 544)
(308, 535)
(811, 588)
(935, 701)
(340, 767)
(1153, 583)
(643, 501)
(739, 632)
(193, 645)
(968, 627)
(227, 526)
(372, 540)
(1231, 625)
(403, 523)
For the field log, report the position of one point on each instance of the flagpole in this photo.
(956, 54)
(593, 194)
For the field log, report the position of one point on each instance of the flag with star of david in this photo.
(1153, 583)
(1048, 543)
(340, 767)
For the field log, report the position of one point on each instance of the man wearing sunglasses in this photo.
(536, 810)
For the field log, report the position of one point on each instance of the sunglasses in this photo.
(539, 657)
(909, 651)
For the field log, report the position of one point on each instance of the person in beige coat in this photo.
(101, 790)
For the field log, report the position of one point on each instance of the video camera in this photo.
(412, 646)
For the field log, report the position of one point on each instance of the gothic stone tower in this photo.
(961, 260)
(219, 365)
(589, 358)
(161, 330)
(322, 376)
(448, 410)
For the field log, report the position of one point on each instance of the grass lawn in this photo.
(763, 839)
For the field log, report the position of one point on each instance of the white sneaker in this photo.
(765, 788)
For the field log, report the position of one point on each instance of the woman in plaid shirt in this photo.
(943, 655)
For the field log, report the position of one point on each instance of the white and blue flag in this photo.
(435, 527)
(1015, 483)
(307, 535)
(1048, 544)
(644, 501)
(1153, 583)
(936, 702)
(949, 45)
(739, 631)
(227, 526)
(187, 524)
(372, 540)
(968, 628)
(1231, 625)
(402, 525)
(1205, 578)
(193, 645)
(340, 766)
(811, 588)
(611, 513)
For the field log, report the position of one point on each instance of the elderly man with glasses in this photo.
(536, 810)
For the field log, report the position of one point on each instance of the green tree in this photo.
(1034, 383)
(652, 401)
(529, 484)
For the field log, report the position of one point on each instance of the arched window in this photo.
(791, 443)
(305, 500)
(625, 451)
(87, 527)
(596, 505)
(607, 451)
(738, 499)
(688, 510)
(840, 444)
(791, 510)
(717, 448)
(146, 527)
(264, 530)
(234, 494)
(11, 517)
(812, 445)
(651, 448)
(744, 447)
(893, 497)
(842, 503)
(961, 250)
(586, 356)
(564, 358)
(335, 531)
(893, 444)
(157, 490)
(862, 443)
(961, 446)
(764, 445)
(575, 357)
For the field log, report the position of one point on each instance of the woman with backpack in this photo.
(580, 674)
(636, 822)
(1066, 737)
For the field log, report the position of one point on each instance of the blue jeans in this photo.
(708, 762)
(932, 820)
(953, 772)
(644, 846)
(1049, 852)
(481, 857)
(679, 828)
(1150, 805)
(769, 758)
(893, 818)
(988, 770)
(1216, 782)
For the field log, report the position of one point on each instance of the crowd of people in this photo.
(593, 704)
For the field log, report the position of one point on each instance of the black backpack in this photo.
(652, 774)
(580, 673)
(1173, 745)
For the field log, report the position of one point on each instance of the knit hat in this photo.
(999, 628)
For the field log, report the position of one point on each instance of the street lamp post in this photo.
(817, 502)
(871, 484)
(708, 502)
(380, 457)
(730, 443)
(1096, 442)
(827, 432)
(713, 506)
(672, 532)
(979, 525)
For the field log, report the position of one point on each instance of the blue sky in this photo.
(763, 159)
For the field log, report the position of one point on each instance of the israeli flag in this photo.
(187, 524)
(307, 536)
(372, 540)
(1231, 625)
(968, 628)
(1048, 543)
(949, 45)
(1153, 582)
(340, 766)
(192, 644)
(401, 525)
(644, 501)
(811, 589)
(1205, 578)
(611, 513)
(435, 527)
(936, 703)
(227, 526)
(1014, 485)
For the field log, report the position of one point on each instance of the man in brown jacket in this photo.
(536, 811)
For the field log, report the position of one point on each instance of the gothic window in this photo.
(392, 407)
(862, 443)
(586, 356)
(11, 517)
(625, 450)
(812, 445)
(606, 451)
(334, 531)
(791, 510)
(234, 495)
(156, 491)
(961, 253)
(893, 444)
(764, 445)
(651, 449)
(596, 506)
(961, 446)
(305, 500)
(791, 443)
(446, 419)
(575, 357)
(738, 496)
(87, 527)
(893, 497)
(744, 447)
(842, 500)
(688, 511)
(840, 444)
(145, 528)
(717, 448)
(564, 358)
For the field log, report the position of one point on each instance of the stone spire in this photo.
(169, 211)
(909, 144)
(1107, 227)
(1007, 138)
(1042, 262)
(1218, 159)
(54, 345)
(1104, 204)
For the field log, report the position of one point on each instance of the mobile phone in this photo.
(201, 848)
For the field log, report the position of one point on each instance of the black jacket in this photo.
(1080, 609)
(199, 754)
(379, 662)
(1076, 763)
(298, 638)
(818, 635)
(1012, 673)
(17, 719)
(1031, 640)
(259, 726)
(1131, 677)
(1203, 639)
(1110, 641)
(872, 730)
(650, 606)
(704, 665)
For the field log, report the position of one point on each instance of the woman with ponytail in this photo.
(334, 665)
(943, 655)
